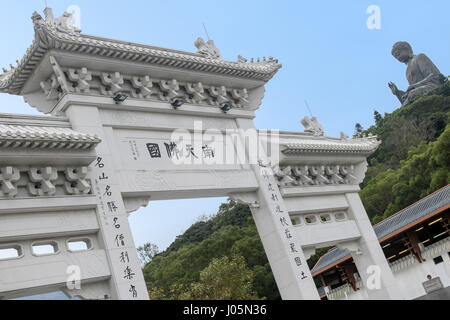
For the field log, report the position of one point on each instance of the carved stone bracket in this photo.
(77, 183)
(196, 92)
(112, 83)
(218, 95)
(241, 96)
(309, 252)
(170, 89)
(41, 181)
(81, 79)
(248, 198)
(51, 88)
(57, 85)
(142, 87)
(134, 204)
(60, 75)
(8, 178)
(307, 175)
(284, 176)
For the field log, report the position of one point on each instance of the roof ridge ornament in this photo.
(241, 59)
(313, 126)
(207, 49)
(51, 33)
(61, 24)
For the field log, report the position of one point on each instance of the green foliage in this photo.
(358, 130)
(231, 232)
(423, 120)
(147, 252)
(426, 169)
(222, 279)
(229, 214)
(410, 163)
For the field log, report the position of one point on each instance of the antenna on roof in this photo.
(45, 2)
(309, 110)
(206, 31)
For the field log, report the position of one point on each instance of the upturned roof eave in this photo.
(327, 145)
(48, 38)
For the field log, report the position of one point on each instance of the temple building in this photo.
(416, 243)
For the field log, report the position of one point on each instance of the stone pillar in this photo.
(127, 281)
(367, 252)
(283, 250)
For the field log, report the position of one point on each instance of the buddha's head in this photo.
(402, 51)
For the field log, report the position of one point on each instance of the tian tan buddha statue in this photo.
(423, 76)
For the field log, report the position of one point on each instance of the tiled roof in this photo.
(23, 136)
(395, 222)
(48, 37)
(329, 258)
(323, 144)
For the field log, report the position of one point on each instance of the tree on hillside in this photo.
(147, 252)
(426, 169)
(423, 120)
(377, 117)
(223, 279)
(358, 130)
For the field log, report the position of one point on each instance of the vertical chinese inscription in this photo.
(282, 218)
(114, 217)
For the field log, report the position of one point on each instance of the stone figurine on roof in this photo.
(313, 126)
(207, 49)
(62, 24)
(423, 76)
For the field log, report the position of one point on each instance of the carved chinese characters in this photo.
(117, 233)
(281, 216)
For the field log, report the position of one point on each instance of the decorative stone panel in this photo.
(8, 178)
(307, 175)
(49, 181)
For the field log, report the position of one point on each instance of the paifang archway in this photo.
(133, 123)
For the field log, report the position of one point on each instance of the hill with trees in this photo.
(413, 158)
(231, 233)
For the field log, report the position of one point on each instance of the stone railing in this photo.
(430, 252)
(344, 290)
(403, 263)
(437, 248)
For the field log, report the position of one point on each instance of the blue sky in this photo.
(330, 58)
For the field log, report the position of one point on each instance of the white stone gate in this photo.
(133, 123)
